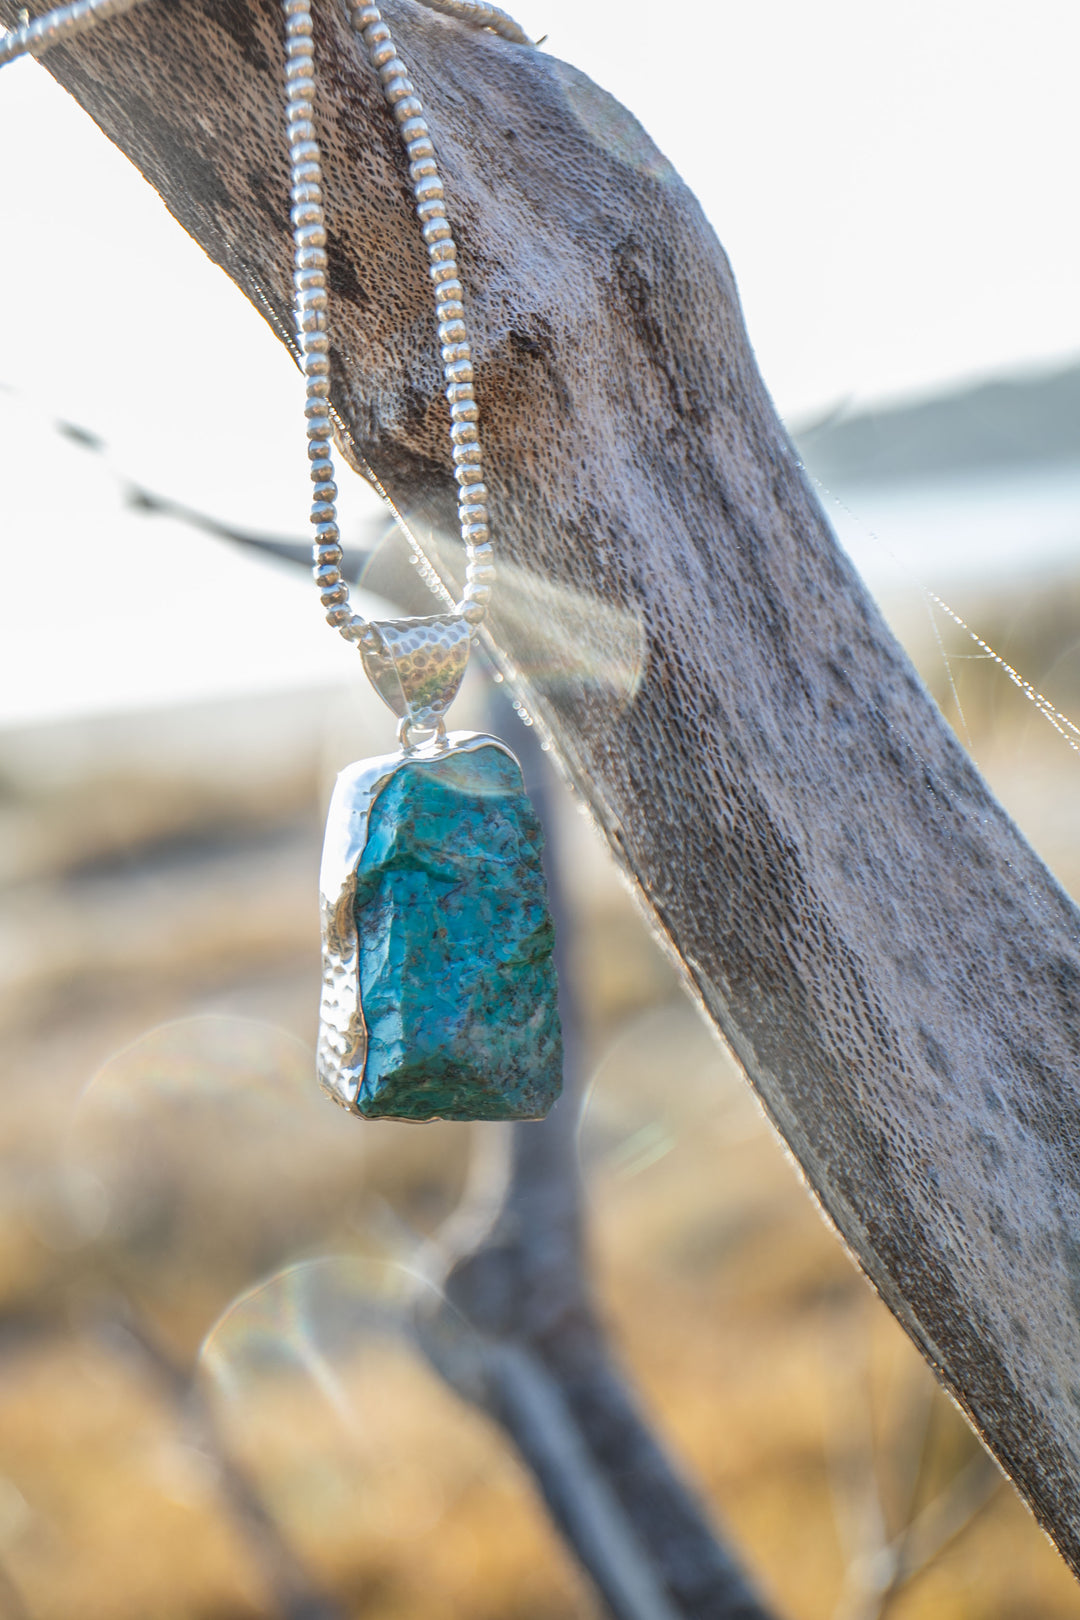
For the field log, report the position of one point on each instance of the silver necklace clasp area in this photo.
(417, 666)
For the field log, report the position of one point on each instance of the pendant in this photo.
(439, 991)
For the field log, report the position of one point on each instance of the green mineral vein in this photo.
(456, 975)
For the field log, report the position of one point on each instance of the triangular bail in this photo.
(417, 665)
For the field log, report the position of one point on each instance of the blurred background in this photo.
(206, 1407)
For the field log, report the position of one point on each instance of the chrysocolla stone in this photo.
(456, 977)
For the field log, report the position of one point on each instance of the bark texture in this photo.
(898, 973)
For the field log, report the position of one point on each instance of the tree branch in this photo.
(895, 969)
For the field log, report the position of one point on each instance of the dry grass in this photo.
(136, 1212)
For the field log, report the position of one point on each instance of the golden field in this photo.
(205, 1403)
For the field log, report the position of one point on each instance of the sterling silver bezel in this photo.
(341, 1055)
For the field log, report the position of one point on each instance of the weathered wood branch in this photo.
(896, 970)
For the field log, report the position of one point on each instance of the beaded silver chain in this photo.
(57, 27)
(310, 276)
(481, 15)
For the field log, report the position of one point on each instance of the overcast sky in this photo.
(895, 184)
(895, 187)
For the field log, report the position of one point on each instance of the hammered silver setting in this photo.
(417, 666)
(342, 1046)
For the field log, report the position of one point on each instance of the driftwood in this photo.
(895, 969)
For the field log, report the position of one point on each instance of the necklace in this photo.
(439, 995)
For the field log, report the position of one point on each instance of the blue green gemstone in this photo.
(457, 981)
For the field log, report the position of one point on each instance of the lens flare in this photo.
(664, 1083)
(200, 1153)
(567, 641)
(320, 1394)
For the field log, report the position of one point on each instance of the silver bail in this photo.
(417, 665)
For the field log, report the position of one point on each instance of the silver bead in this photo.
(399, 90)
(311, 258)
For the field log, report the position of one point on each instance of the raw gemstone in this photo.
(456, 977)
